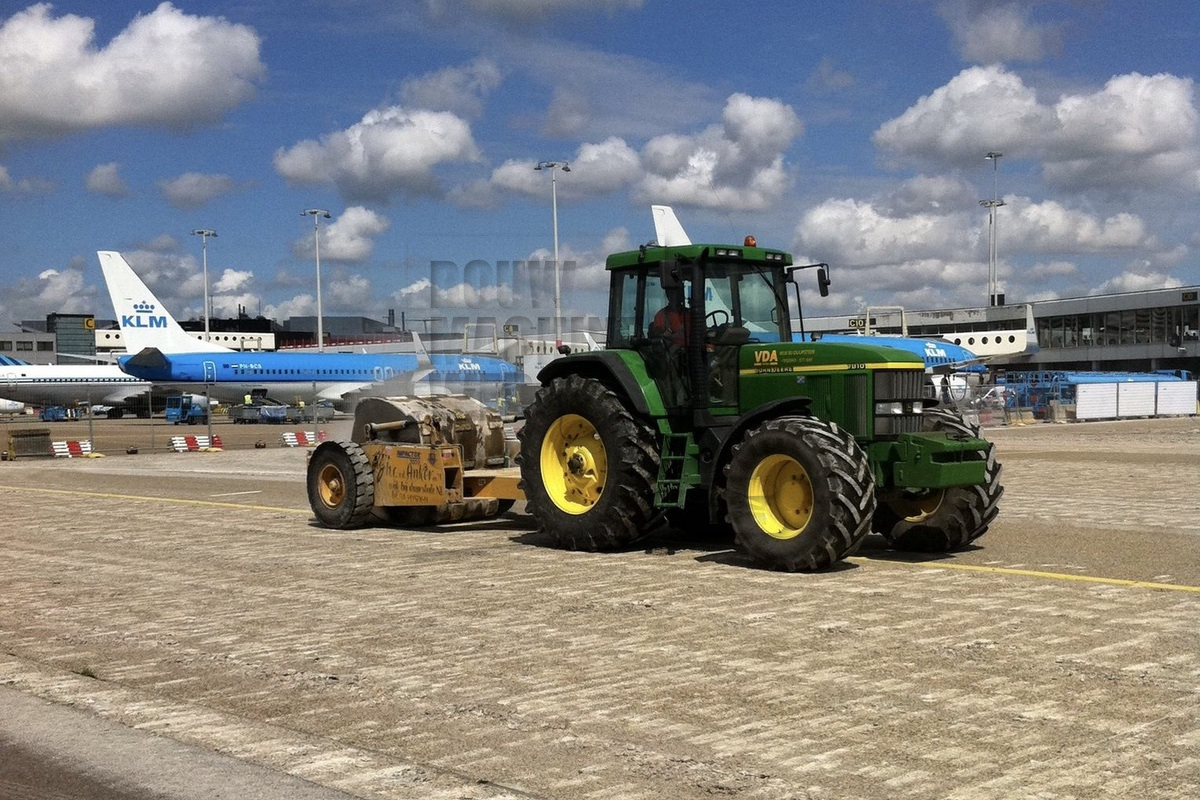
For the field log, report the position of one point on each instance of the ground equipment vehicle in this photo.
(414, 461)
(181, 408)
(802, 448)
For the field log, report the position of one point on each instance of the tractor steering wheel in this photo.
(717, 318)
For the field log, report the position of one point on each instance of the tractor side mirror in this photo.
(823, 281)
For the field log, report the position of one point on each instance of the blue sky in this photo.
(852, 133)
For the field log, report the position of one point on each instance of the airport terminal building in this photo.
(1131, 331)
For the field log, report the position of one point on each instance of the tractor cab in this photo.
(689, 310)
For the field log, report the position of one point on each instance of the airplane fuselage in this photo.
(64, 384)
(320, 376)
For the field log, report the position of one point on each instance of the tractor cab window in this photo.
(761, 312)
(623, 318)
(743, 300)
(643, 309)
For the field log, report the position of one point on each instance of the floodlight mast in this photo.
(317, 214)
(991, 206)
(554, 166)
(204, 233)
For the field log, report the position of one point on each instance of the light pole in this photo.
(317, 213)
(991, 206)
(553, 166)
(204, 233)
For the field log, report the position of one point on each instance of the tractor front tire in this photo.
(341, 485)
(589, 468)
(942, 520)
(800, 494)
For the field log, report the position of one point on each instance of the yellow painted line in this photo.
(174, 500)
(1033, 573)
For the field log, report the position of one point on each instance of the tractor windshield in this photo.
(745, 300)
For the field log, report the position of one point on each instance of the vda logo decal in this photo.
(766, 358)
(143, 317)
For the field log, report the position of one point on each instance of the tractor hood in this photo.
(808, 357)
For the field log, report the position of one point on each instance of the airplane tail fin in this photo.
(668, 230)
(144, 321)
(423, 360)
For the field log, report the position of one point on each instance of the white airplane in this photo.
(167, 355)
(68, 384)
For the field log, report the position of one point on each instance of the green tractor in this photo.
(703, 409)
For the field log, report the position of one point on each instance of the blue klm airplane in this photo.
(167, 355)
(939, 355)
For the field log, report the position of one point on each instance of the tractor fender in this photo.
(716, 445)
(784, 407)
(623, 371)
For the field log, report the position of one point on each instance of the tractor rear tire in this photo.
(341, 485)
(942, 520)
(589, 468)
(800, 494)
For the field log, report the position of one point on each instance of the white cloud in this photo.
(232, 281)
(193, 189)
(926, 244)
(53, 290)
(302, 305)
(1139, 130)
(1136, 132)
(857, 233)
(349, 238)
(737, 165)
(459, 90)
(347, 293)
(980, 109)
(177, 280)
(1050, 227)
(1048, 271)
(106, 179)
(415, 295)
(464, 295)
(230, 305)
(595, 169)
(392, 151)
(988, 31)
(167, 68)
(568, 114)
(1136, 282)
(24, 186)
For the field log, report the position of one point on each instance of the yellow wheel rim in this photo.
(331, 485)
(781, 496)
(918, 509)
(574, 464)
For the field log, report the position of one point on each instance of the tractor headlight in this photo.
(897, 407)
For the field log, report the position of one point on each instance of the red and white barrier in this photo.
(303, 438)
(194, 444)
(82, 449)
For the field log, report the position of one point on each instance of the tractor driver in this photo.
(672, 320)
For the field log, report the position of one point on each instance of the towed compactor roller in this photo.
(414, 461)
